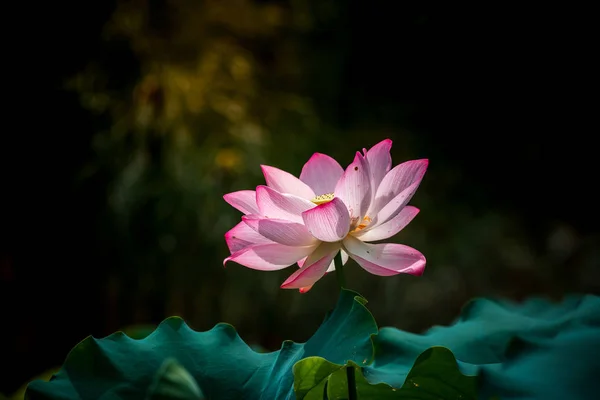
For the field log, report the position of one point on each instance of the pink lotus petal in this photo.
(284, 182)
(280, 230)
(269, 257)
(314, 268)
(354, 187)
(380, 162)
(331, 265)
(329, 222)
(241, 236)
(397, 204)
(396, 181)
(389, 228)
(321, 173)
(330, 269)
(243, 200)
(273, 204)
(344, 261)
(385, 259)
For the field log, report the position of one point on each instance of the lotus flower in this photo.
(309, 220)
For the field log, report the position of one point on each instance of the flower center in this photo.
(365, 222)
(356, 224)
(323, 198)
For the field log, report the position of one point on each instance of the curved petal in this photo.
(243, 200)
(329, 222)
(385, 259)
(389, 228)
(321, 173)
(395, 206)
(241, 236)
(273, 204)
(280, 230)
(284, 182)
(314, 267)
(380, 162)
(396, 181)
(344, 261)
(331, 265)
(354, 187)
(269, 257)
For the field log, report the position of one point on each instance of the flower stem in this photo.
(339, 273)
(352, 395)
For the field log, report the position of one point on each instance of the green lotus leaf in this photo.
(528, 350)
(174, 382)
(434, 375)
(311, 375)
(219, 361)
(534, 349)
(138, 331)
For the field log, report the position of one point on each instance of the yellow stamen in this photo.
(323, 198)
(365, 222)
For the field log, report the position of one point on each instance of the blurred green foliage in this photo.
(213, 94)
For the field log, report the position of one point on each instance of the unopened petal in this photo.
(389, 228)
(329, 222)
(380, 162)
(243, 200)
(398, 180)
(314, 267)
(241, 236)
(385, 259)
(354, 187)
(281, 231)
(284, 182)
(321, 173)
(273, 204)
(269, 257)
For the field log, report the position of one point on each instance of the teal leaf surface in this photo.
(174, 382)
(434, 375)
(536, 349)
(221, 364)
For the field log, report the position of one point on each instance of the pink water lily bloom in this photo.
(309, 220)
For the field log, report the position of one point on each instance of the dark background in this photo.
(130, 120)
